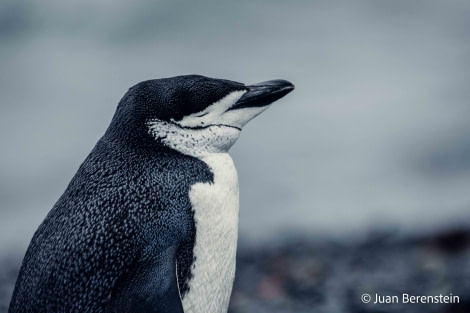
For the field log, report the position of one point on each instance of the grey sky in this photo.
(375, 134)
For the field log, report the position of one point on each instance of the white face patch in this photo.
(200, 133)
(213, 130)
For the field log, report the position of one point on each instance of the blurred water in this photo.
(375, 134)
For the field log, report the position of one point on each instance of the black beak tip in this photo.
(276, 89)
(264, 93)
(284, 85)
(275, 85)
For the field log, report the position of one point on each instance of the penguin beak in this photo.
(263, 94)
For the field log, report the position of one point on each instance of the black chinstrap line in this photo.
(196, 127)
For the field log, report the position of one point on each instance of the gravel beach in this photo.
(330, 276)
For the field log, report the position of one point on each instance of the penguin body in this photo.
(149, 222)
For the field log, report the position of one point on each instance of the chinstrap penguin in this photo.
(149, 221)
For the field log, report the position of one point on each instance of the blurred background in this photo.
(368, 160)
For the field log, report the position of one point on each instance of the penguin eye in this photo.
(201, 114)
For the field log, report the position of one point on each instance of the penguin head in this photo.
(193, 114)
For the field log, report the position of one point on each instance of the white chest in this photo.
(216, 215)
